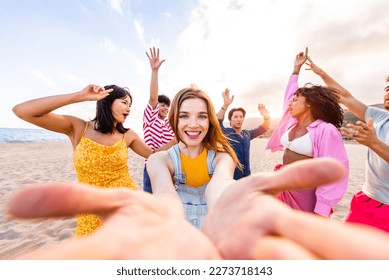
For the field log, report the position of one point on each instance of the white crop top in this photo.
(301, 145)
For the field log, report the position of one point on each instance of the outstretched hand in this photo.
(242, 222)
(155, 63)
(137, 225)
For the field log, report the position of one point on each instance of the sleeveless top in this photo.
(196, 169)
(193, 199)
(301, 145)
(103, 167)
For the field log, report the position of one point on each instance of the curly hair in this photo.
(324, 103)
(104, 120)
(214, 139)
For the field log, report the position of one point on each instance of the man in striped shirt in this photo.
(156, 128)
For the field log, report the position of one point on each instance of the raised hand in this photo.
(313, 67)
(263, 111)
(155, 63)
(301, 58)
(95, 92)
(227, 100)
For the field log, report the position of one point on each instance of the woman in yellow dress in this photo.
(100, 145)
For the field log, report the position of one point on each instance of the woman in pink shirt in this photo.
(309, 129)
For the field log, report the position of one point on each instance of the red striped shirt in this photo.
(156, 132)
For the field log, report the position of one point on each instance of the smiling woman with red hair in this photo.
(201, 164)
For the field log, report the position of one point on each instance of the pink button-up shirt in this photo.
(326, 142)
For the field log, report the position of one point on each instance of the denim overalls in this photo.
(193, 199)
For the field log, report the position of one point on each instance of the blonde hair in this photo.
(214, 139)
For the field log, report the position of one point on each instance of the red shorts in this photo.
(368, 211)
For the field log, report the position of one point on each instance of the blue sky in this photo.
(53, 47)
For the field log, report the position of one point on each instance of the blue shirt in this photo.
(241, 145)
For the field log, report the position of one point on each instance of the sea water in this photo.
(22, 135)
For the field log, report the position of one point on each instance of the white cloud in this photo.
(43, 78)
(139, 30)
(108, 46)
(249, 46)
(71, 78)
(116, 5)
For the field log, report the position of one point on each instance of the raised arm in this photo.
(345, 97)
(274, 142)
(155, 63)
(265, 115)
(40, 111)
(227, 100)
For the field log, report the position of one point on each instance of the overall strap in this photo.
(211, 163)
(178, 176)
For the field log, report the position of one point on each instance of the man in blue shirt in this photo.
(240, 138)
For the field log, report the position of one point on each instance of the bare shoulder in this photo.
(161, 159)
(131, 136)
(221, 156)
(224, 160)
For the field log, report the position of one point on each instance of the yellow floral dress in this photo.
(101, 166)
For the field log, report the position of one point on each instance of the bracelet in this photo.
(268, 118)
(223, 108)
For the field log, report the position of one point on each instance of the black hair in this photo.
(324, 103)
(104, 120)
(164, 99)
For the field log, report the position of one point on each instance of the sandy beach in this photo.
(27, 163)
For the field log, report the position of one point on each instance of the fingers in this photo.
(61, 199)
(304, 174)
(309, 63)
(106, 92)
(353, 130)
(279, 248)
(369, 122)
(306, 51)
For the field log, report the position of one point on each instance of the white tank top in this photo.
(301, 145)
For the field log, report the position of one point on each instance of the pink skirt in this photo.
(368, 211)
(304, 200)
